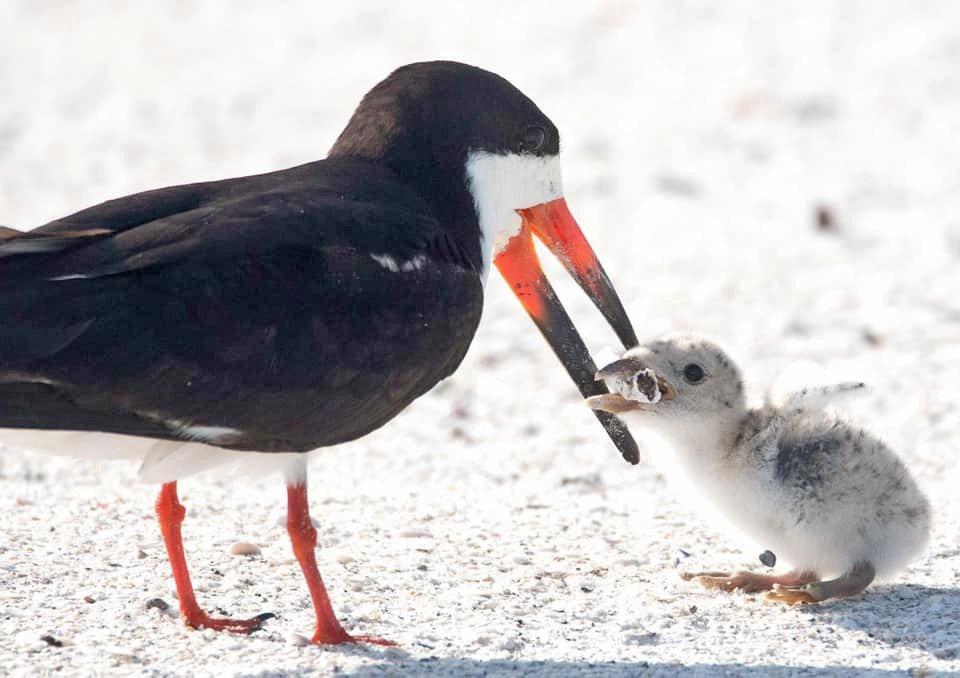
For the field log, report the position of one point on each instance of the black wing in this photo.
(260, 305)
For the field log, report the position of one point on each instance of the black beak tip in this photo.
(559, 331)
(621, 436)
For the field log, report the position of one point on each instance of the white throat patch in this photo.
(501, 185)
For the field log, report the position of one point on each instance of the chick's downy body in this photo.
(827, 493)
(824, 495)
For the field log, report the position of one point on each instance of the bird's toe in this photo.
(791, 595)
(242, 626)
(690, 576)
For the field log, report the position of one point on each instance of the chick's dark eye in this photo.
(533, 138)
(693, 373)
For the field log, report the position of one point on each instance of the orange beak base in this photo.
(519, 265)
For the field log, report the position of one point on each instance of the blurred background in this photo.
(782, 176)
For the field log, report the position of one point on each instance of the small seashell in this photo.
(647, 385)
(245, 548)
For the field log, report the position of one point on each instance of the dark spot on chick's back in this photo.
(802, 463)
(914, 513)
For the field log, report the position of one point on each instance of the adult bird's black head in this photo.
(487, 161)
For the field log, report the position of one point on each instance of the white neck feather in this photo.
(501, 185)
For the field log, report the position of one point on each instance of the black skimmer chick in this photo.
(266, 316)
(822, 494)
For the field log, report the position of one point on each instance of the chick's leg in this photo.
(749, 582)
(849, 584)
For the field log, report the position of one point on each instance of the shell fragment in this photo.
(641, 386)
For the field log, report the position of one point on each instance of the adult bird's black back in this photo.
(298, 309)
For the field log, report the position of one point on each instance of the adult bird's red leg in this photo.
(303, 536)
(170, 514)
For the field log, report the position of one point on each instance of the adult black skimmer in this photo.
(288, 311)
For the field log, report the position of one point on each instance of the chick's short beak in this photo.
(614, 403)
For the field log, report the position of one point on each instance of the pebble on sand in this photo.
(158, 603)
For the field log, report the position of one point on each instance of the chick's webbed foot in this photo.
(748, 582)
(849, 584)
(791, 595)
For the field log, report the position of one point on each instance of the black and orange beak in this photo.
(519, 265)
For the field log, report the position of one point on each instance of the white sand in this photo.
(493, 529)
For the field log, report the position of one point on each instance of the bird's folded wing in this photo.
(238, 310)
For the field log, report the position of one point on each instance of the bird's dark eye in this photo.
(532, 139)
(693, 373)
